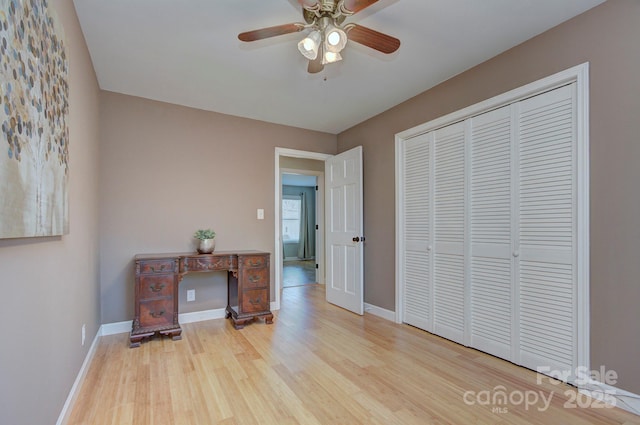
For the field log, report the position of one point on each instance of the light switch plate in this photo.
(260, 214)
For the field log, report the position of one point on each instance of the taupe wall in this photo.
(168, 170)
(301, 164)
(607, 37)
(49, 286)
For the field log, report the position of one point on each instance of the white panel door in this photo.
(449, 230)
(344, 246)
(547, 231)
(417, 232)
(491, 292)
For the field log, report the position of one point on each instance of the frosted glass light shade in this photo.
(310, 45)
(335, 39)
(331, 57)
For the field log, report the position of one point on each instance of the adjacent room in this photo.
(319, 212)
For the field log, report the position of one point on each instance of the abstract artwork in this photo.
(34, 109)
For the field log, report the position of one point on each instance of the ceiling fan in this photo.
(329, 34)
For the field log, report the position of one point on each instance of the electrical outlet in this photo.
(191, 295)
(84, 333)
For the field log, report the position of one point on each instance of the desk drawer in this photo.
(255, 261)
(153, 286)
(255, 300)
(205, 263)
(255, 278)
(156, 312)
(157, 266)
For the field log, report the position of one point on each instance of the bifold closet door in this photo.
(491, 314)
(489, 254)
(415, 208)
(546, 250)
(449, 232)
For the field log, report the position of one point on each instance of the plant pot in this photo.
(206, 246)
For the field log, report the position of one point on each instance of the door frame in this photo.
(294, 153)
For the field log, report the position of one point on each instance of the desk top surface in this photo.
(165, 255)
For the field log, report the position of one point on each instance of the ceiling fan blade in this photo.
(371, 38)
(354, 6)
(270, 32)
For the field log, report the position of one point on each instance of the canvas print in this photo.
(34, 107)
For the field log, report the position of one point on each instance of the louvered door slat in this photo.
(490, 233)
(547, 225)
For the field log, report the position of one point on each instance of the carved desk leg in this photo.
(175, 334)
(268, 319)
(136, 339)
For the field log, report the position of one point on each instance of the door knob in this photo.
(356, 239)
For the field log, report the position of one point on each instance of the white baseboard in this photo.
(380, 312)
(613, 396)
(63, 418)
(115, 328)
(200, 316)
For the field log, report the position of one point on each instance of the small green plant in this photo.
(204, 234)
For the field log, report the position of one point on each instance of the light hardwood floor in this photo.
(317, 364)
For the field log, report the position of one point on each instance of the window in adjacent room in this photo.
(290, 218)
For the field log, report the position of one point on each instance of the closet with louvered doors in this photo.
(487, 230)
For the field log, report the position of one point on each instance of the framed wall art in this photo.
(34, 109)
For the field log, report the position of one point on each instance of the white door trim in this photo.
(580, 75)
(293, 153)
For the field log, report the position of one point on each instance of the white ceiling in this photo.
(187, 52)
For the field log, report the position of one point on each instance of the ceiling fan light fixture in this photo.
(335, 39)
(310, 45)
(331, 57)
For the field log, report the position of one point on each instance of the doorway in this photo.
(304, 165)
(299, 225)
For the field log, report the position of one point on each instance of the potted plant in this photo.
(207, 241)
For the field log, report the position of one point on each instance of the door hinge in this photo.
(316, 227)
(316, 187)
(316, 266)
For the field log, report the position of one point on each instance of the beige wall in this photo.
(607, 37)
(301, 164)
(168, 170)
(50, 285)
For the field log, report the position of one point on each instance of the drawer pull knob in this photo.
(254, 302)
(255, 263)
(254, 279)
(157, 288)
(153, 269)
(156, 314)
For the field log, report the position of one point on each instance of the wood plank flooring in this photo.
(317, 364)
(296, 273)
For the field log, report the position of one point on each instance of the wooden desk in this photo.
(156, 289)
